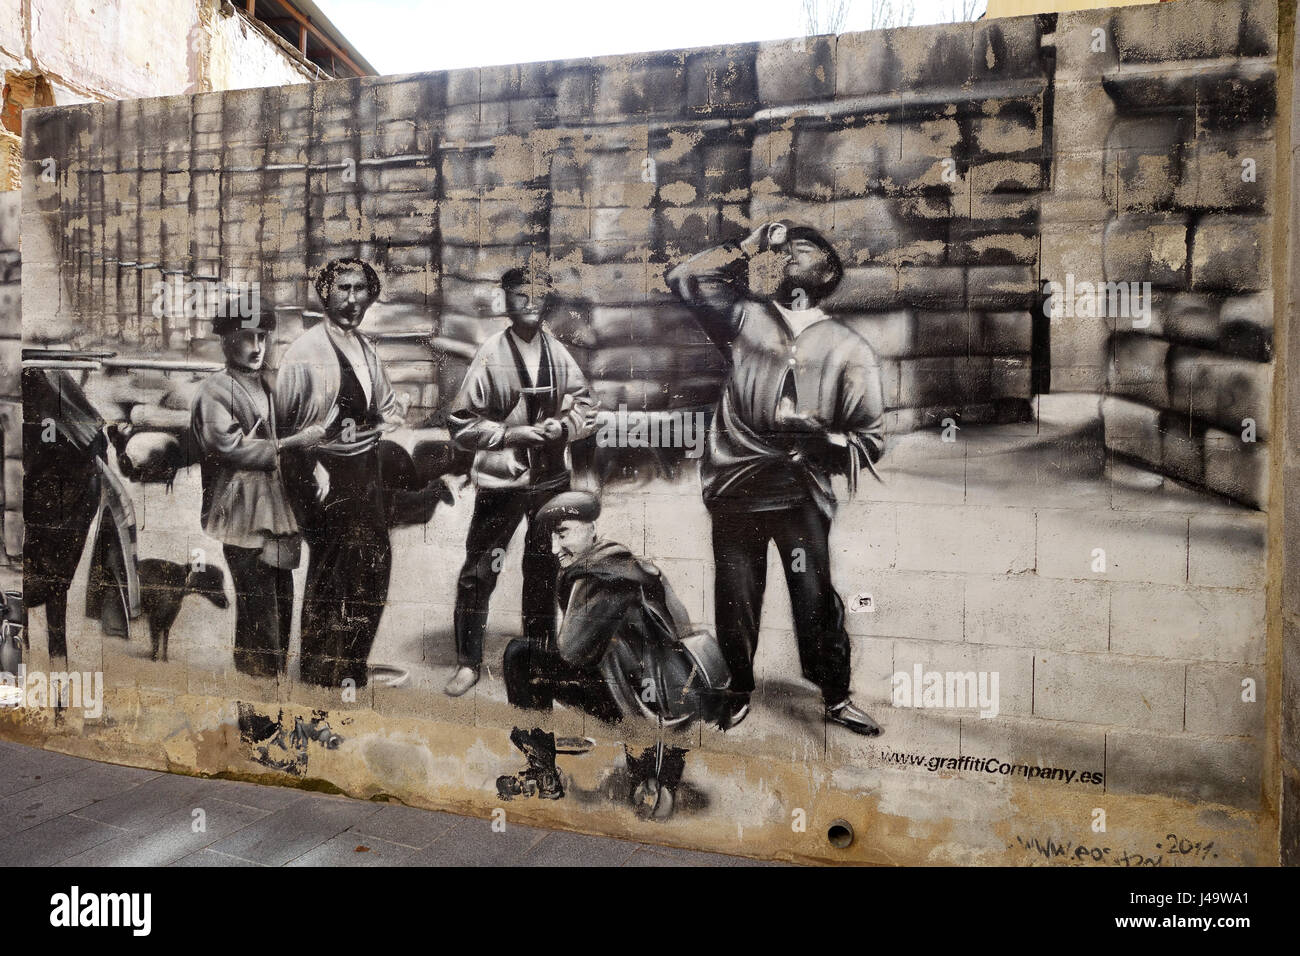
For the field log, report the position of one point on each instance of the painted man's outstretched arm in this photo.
(715, 283)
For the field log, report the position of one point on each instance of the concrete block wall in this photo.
(956, 168)
(602, 173)
(1187, 172)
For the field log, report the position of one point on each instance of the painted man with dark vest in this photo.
(331, 376)
(802, 402)
(523, 401)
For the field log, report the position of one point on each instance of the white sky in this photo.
(413, 36)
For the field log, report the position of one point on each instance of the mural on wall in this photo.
(902, 408)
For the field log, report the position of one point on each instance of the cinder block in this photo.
(576, 92)
(1182, 453)
(1137, 368)
(1085, 46)
(871, 663)
(1029, 611)
(848, 161)
(1147, 249)
(1146, 547)
(1203, 770)
(864, 537)
(1148, 169)
(890, 334)
(1006, 48)
(1190, 317)
(1227, 550)
(936, 381)
(722, 81)
(1225, 700)
(1102, 689)
(912, 605)
(1002, 333)
(1132, 429)
(942, 333)
(864, 64)
(796, 71)
(977, 244)
(865, 288)
(1243, 101)
(1012, 125)
(1210, 624)
(1233, 253)
(1236, 468)
(1220, 389)
(421, 257)
(964, 539)
(1221, 174)
(622, 224)
(1246, 326)
(636, 394)
(936, 287)
(1035, 742)
(1001, 288)
(772, 162)
(1013, 666)
(1071, 250)
(1082, 117)
(612, 283)
(632, 86)
(1201, 31)
(686, 228)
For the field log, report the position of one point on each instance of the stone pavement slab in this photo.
(61, 810)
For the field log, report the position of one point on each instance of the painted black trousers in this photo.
(263, 612)
(536, 678)
(801, 534)
(348, 566)
(497, 513)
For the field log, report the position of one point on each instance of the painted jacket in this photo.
(493, 397)
(827, 371)
(244, 498)
(623, 623)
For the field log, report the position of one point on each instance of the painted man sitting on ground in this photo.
(626, 648)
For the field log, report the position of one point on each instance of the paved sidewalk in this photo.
(61, 810)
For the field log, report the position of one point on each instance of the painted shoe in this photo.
(848, 714)
(462, 681)
(735, 711)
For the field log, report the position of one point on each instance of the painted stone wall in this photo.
(1071, 512)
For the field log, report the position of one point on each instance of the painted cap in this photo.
(261, 321)
(570, 506)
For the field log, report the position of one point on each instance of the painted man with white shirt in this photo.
(331, 376)
(802, 402)
(523, 400)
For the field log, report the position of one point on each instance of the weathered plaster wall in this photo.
(98, 51)
(955, 169)
(91, 52)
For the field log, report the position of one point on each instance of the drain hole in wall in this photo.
(840, 834)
